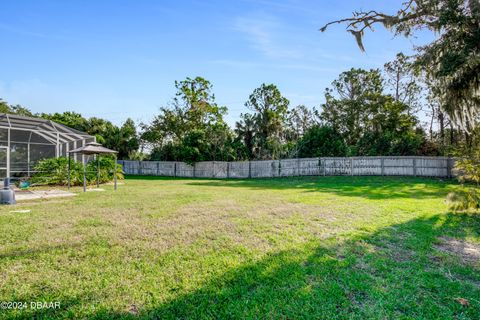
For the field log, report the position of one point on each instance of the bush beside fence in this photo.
(354, 166)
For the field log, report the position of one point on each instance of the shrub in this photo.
(106, 165)
(469, 169)
(464, 200)
(54, 171)
(468, 172)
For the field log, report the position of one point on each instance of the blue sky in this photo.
(119, 59)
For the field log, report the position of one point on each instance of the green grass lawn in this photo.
(320, 247)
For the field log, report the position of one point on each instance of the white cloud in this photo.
(264, 34)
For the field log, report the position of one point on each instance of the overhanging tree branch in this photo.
(452, 60)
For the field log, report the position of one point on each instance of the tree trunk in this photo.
(397, 87)
(431, 123)
(452, 138)
(468, 140)
(441, 120)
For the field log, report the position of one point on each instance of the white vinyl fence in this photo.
(354, 166)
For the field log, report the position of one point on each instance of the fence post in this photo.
(175, 169)
(213, 169)
(158, 168)
(382, 164)
(324, 167)
(139, 167)
(249, 168)
(194, 170)
(228, 169)
(414, 167)
(449, 167)
(279, 168)
(351, 166)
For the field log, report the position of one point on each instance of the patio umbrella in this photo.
(93, 148)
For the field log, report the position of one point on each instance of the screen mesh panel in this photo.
(18, 157)
(19, 136)
(3, 158)
(3, 137)
(39, 152)
(24, 141)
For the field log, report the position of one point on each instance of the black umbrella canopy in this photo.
(93, 148)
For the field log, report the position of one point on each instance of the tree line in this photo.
(366, 113)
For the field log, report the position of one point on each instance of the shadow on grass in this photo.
(367, 187)
(392, 273)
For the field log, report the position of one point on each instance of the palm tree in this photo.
(245, 129)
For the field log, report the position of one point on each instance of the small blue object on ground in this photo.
(24, 184)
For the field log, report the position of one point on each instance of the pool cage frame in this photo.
(26, 140)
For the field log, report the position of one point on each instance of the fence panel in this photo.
(288, 168)
(396, 166)
(337, 166)
(239, 169)
(129, 167)
(309, 167)
(432, 167)
(204, 169)
(220, 169)
(185, 170)
(166, 168)
(148, 168)
(264, 169)
(367, 166)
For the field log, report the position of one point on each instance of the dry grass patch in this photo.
(466, 251)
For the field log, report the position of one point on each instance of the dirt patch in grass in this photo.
(468, 252)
